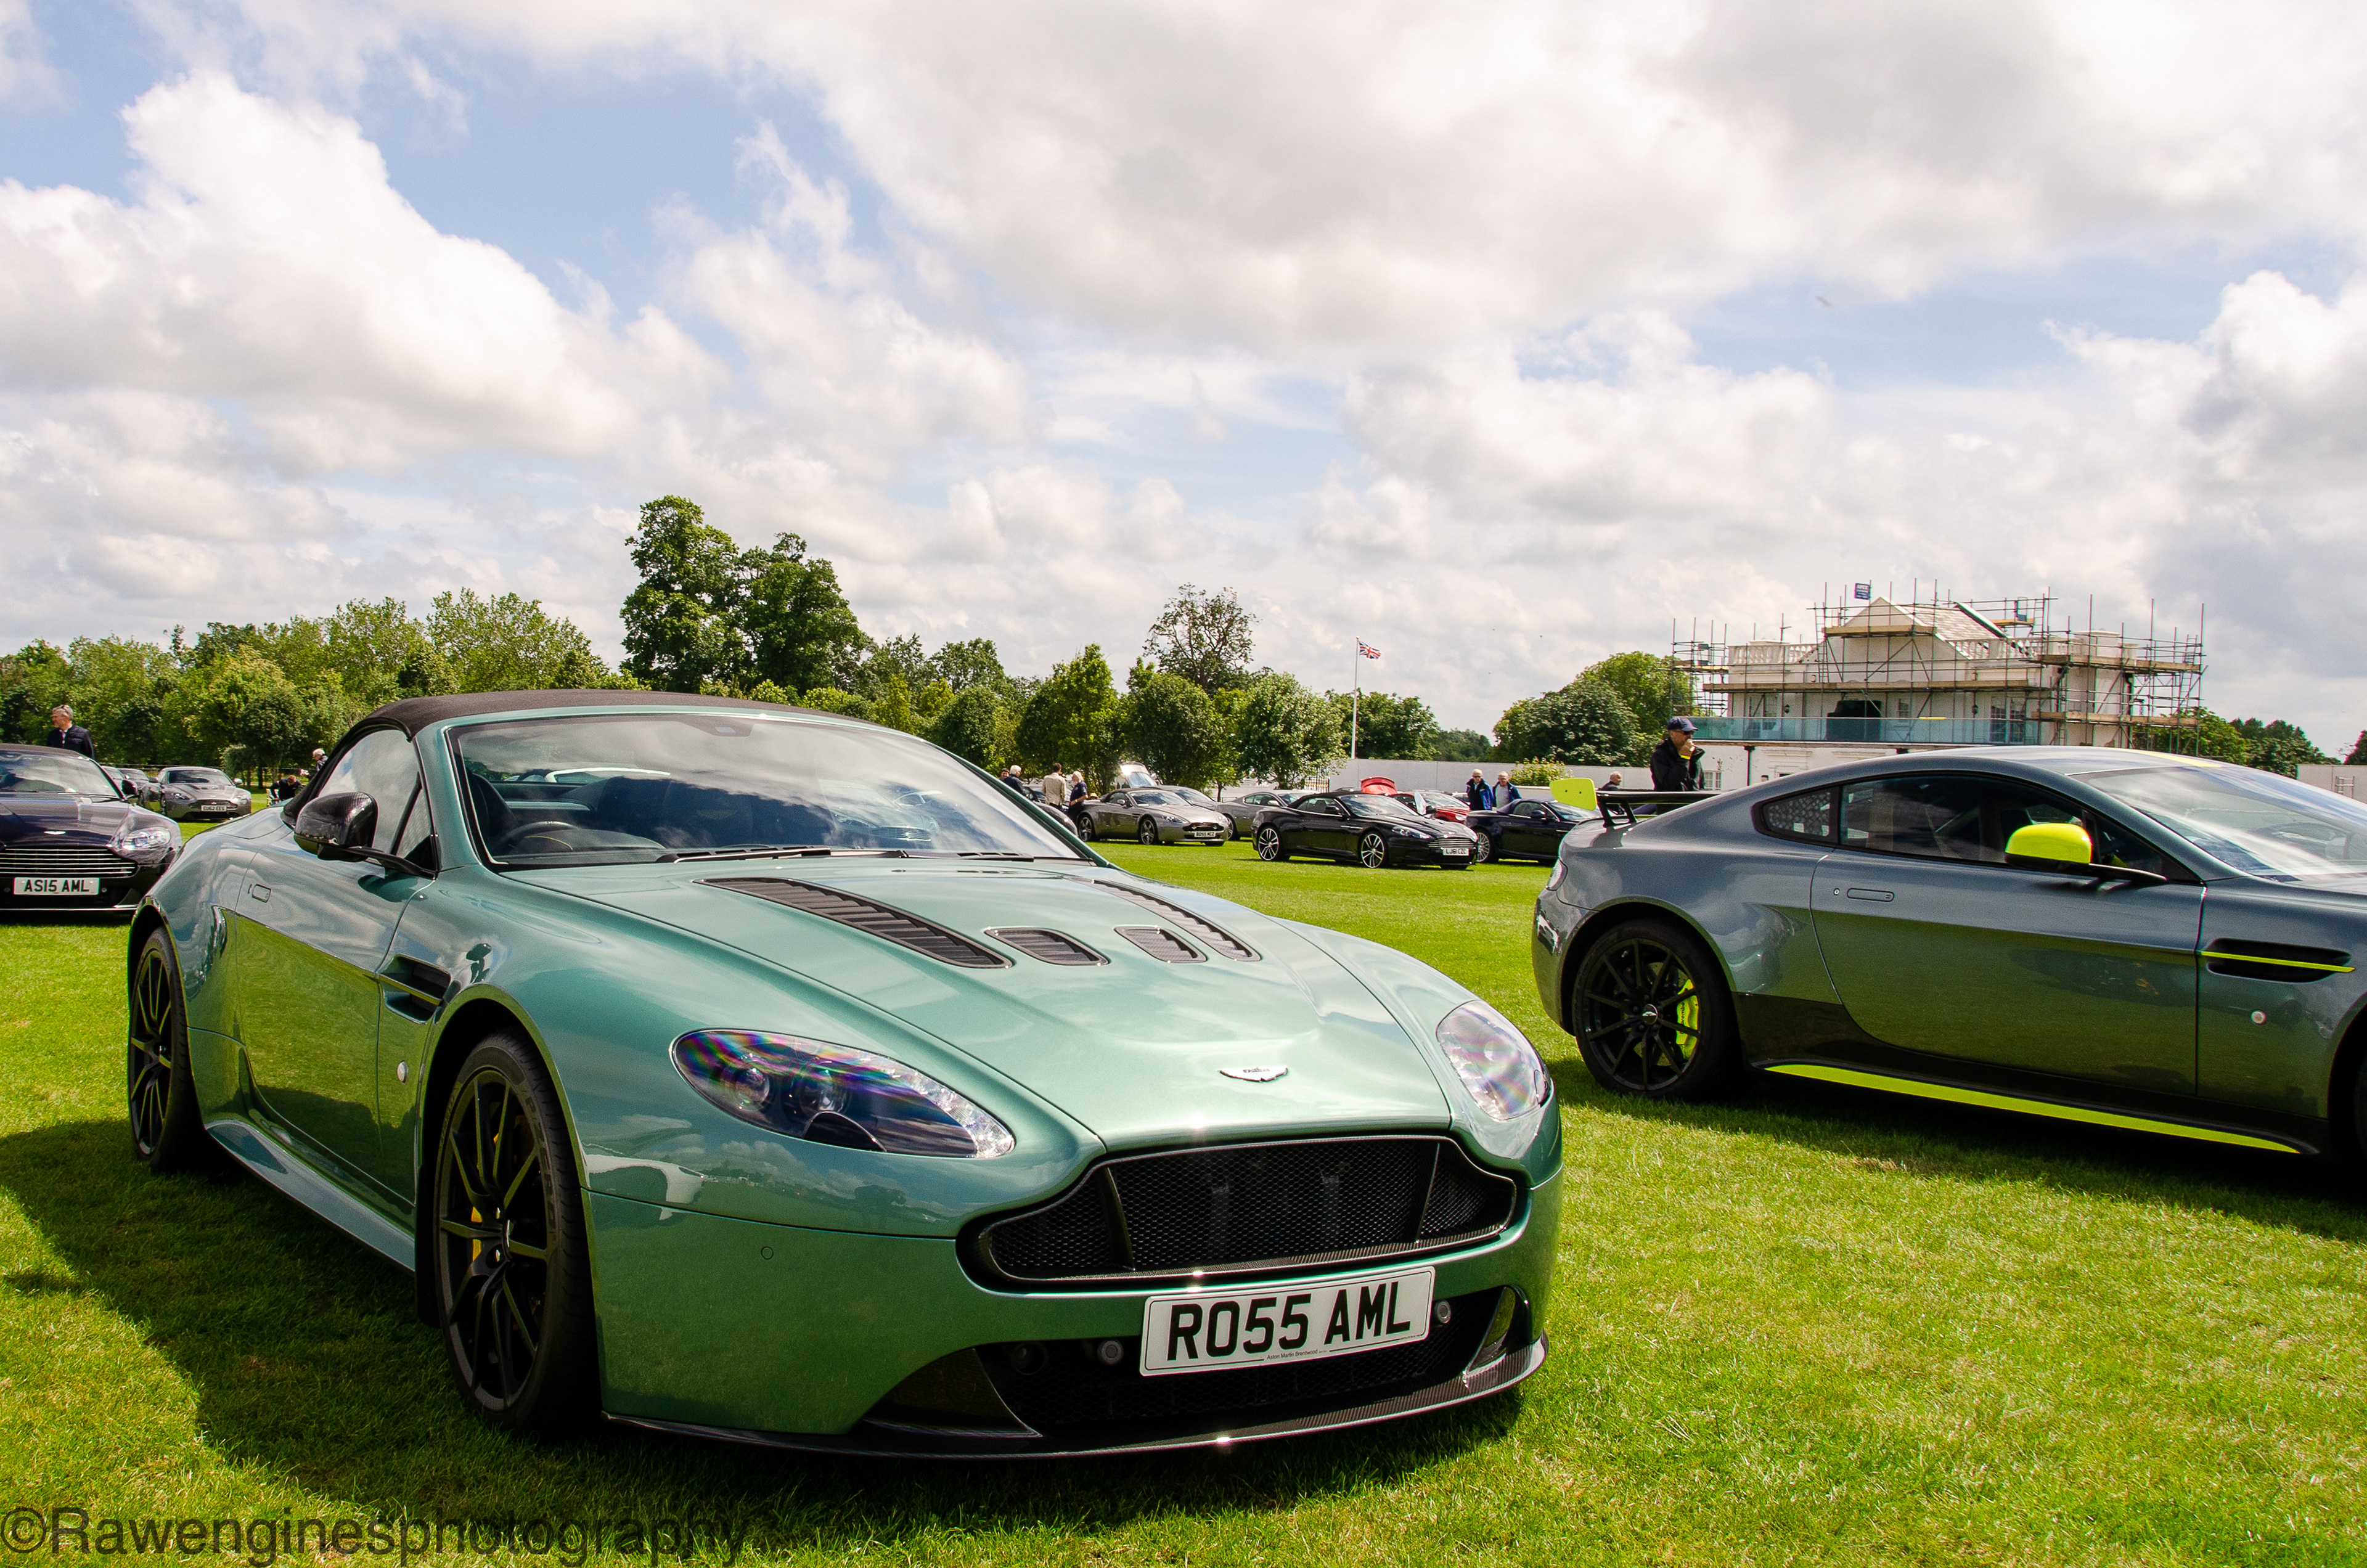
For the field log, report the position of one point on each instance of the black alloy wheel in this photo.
(1146, 830)
(1651, 1013)
(1268, 843)
(513, 1284)
(1484, 851)
(1373, 851)
(166, 1133)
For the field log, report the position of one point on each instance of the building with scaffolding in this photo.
(1874, 675)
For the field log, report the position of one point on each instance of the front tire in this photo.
(1146, 831)
(1269, 844)
(1652, 1014)
(1373, 851)
(1484, 851)
(513, 1284)
(167, 1132)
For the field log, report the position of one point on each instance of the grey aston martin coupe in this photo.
(2116, 937)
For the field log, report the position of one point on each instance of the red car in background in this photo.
(1434, 803)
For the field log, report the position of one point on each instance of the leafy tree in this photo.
(1286, 733)
(1649, 685)
(1386, 725)
(831, 699)
(1584, 723)
(904, 656)
(968, 726)
(508, 644)
(33, 680)
(681, 622)
(973, 662)
(801, 631)
(765, 692)
(2358, 751)
(1175, 729)
(1460, 746)
(893, 706)
(1072, 719)
(1205, 638)
(933, 700)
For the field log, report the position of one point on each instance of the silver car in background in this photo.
(1160, 816)
(196, 795)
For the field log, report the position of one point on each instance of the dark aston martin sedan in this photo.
(1526, 830)
(196, 795)
(68, 840)
(2119, 937)
(1372, 829)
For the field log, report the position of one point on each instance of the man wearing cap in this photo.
(1676, 761)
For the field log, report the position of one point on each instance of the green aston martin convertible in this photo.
(739, 1070)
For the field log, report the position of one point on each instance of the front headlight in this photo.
(1413, 833)
(176, 793)
(138, 841)
(835, 1094)
(1495, 1061)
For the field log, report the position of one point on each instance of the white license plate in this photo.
(1303, 1320)
(1455, 849)
(57, 887)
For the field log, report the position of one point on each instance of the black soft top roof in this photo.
(412, 714)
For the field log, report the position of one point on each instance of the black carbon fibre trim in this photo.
(889, 924)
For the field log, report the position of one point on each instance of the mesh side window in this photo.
(1806, 817)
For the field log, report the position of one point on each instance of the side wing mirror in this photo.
(335, 825)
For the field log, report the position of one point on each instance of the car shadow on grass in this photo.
(1966, 1142)
(306, 1360)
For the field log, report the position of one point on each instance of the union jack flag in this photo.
(1367, 649)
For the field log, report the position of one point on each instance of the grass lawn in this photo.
(1810, 1325)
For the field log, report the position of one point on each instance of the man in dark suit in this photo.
(66, 735)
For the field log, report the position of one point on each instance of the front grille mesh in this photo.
(1241, 1208)
(878, 920)
(39, 859)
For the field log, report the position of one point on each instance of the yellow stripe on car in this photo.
(2288, 963)
(1858, 1078)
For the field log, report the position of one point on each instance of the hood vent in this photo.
(1207, 931)
(889, 924)
(1052, 947)
(1163, 944)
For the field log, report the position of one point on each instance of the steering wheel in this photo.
(537, 838)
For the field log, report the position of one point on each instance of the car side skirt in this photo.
(279, 1166)
(880, 1440)
(1819, 1041)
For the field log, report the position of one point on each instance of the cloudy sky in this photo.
(1499, 335)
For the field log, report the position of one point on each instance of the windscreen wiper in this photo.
(759, 851)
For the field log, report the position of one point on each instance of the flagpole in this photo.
(1356, 698)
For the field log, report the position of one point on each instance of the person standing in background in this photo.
(1676, 761)
(1055, 785)
(1505, 791)
(1076, 800)
(1475, 793)
(66, 735)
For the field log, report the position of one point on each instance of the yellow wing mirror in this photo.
(2050, 846)
(1578, 792)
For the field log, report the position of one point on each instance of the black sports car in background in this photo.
(196, 795)
(1242, 810)
(1373, 829)
(1526, 830)
(68, 840)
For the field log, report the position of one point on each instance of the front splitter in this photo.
(870, 1440)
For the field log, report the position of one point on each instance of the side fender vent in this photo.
(877, 919)
(1163, 944)
(1207, 930)
(2275, 961)
(1052, 947)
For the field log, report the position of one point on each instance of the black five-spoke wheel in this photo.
(511, 1284)
(1650, 1013)
(166, 1131)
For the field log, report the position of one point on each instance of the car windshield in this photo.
(51, 772)
(1156, 797)
(1566, 813)
(2272, 827)
(1191, 796)
(193, 776)
(1375, 806)
(613, 788)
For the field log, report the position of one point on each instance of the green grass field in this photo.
(1810, 1325)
